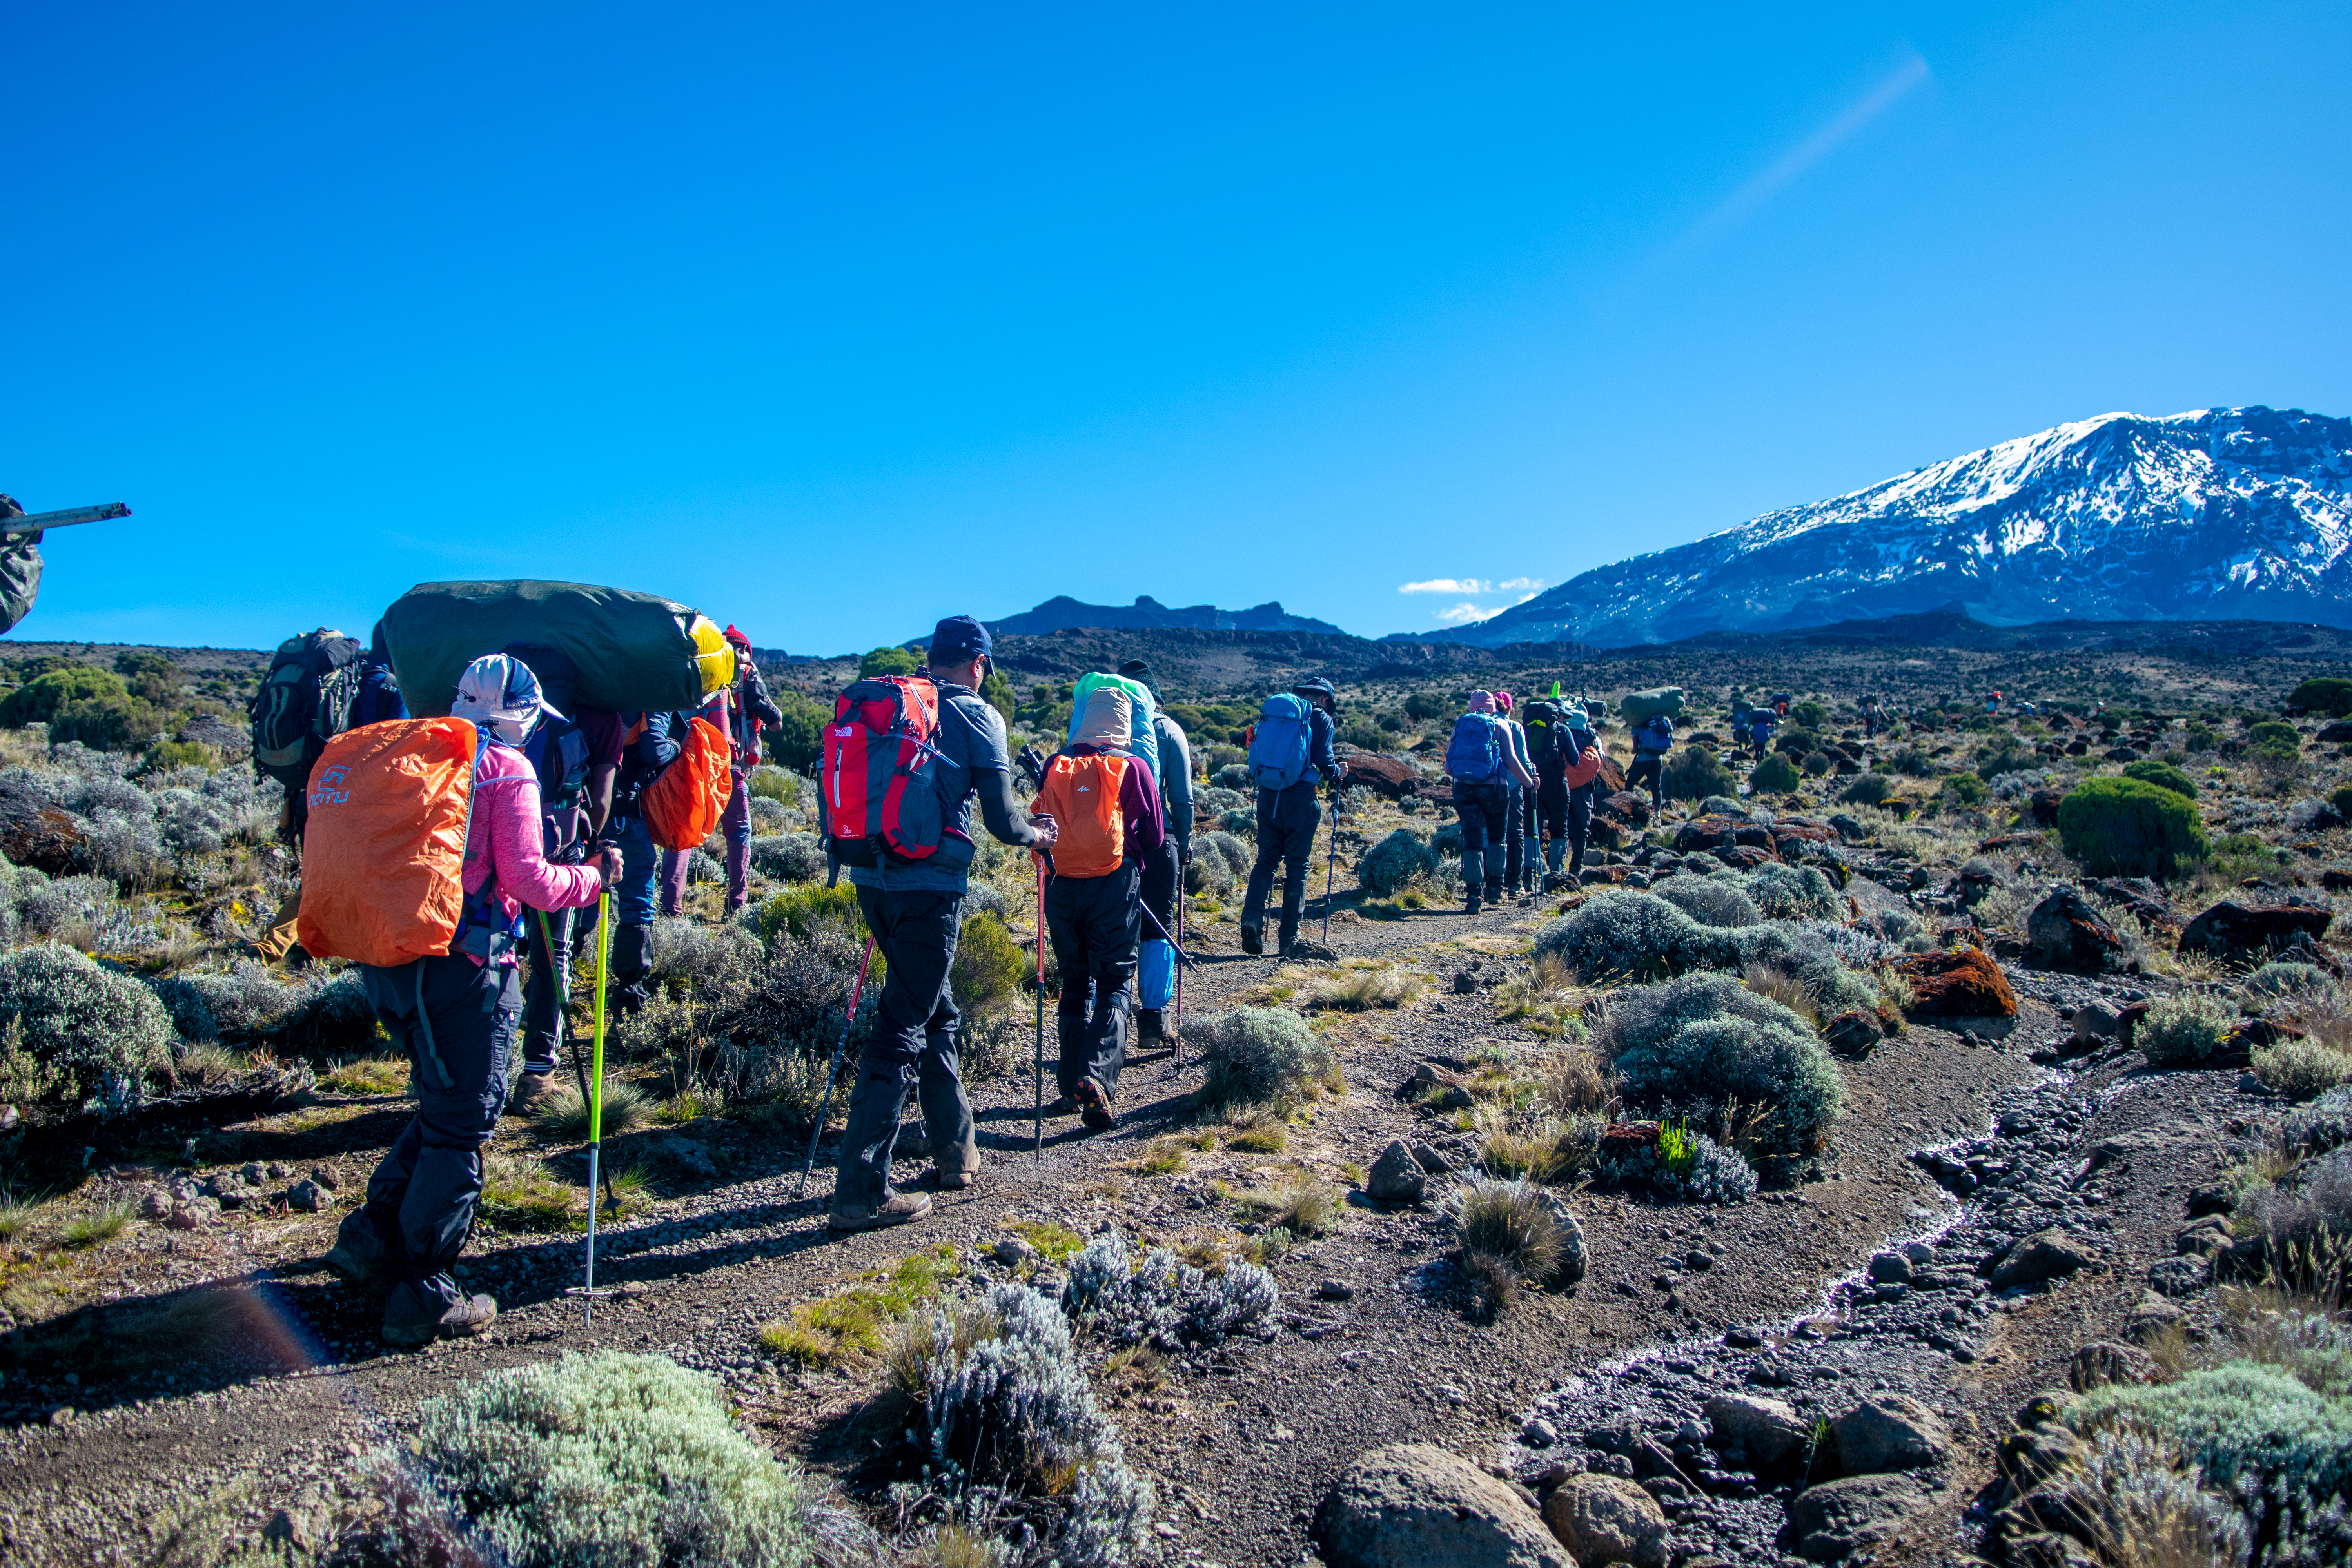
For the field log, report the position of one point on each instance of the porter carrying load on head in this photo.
(1652, 715)
(631, 652)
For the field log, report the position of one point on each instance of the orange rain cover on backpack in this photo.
(684, 804)
(1081, 795)
(382, 854)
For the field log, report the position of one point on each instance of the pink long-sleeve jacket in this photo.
(505, 835)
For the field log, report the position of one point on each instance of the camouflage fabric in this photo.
(20, 570)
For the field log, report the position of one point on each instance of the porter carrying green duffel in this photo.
(634, 652)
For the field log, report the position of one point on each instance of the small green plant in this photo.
(852, 1323)
(801, 909)
(1053, 1240)
(15, 1215)
(96, 1228)
(1164, 1158)
(989, 965)
(2127, 827)
(2185, 1030)
(1775, 776)
(563, 1114)
(1677, 1148)
(1867, 789)
(771, 782)
(2164, 776)
(1507, 1236)
(371, 1075)
(1694, 773)
(2300, 1069)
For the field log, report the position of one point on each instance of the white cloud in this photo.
(1447, 585)
(1517, 585)
(1462, 614)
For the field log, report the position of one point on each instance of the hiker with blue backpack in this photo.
(1654, 737)
(906, 759)
(1289, 758)
(1483, 763)
(1163, 870)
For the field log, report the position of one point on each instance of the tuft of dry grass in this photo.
(1784, 988)
(372, 1074)
(564, 1115)
(95, 1228)
(1576, 1082)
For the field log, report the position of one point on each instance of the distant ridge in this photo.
(1062, 612)
(2223, 514)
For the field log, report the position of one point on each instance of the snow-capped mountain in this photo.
(2223, 513)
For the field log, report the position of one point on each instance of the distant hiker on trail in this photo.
(647, 747)
(1289, 757)
(1480, 759)
(1518, 859)
(1163, 873)
(1566, 797)
(455, 1016)
(1654, 737)
(738, 713)
(1869, 718)
(1761, 724)
(1105, 805)
(909, 860)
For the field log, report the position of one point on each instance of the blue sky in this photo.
(831, 321)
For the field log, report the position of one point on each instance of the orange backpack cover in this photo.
(684, 804)
(1081, 795)
(382, 855)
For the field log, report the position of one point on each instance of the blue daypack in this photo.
(1278, 748)
(1155, 974)
(1656, 735)
(1474, 753)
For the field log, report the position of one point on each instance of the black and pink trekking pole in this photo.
(833, 1074)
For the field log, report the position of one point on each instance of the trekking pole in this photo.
(563, 967)
(1179, 967)
(833, 1073)
(1038, 1052)
(1331, 871)
(587, 1291)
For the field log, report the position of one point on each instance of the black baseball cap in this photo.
(958, 638)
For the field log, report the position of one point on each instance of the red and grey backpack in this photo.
(878, 785)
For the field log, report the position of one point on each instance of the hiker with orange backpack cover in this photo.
(896, 802)
(455, 1011)
(1106, 807)
(736, 712)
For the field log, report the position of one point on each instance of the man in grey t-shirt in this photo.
(916, 913)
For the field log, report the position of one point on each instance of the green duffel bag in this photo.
(634, 651)
(1636, 706)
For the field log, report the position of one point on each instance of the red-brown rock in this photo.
(1389, 778)
(1962, 984)
(1745, 856)
(1622, 803)
(2042, 805)
(36, 834)
(1613, 782)
(1624, 1137)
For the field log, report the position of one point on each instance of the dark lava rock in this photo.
(2066, 933)
(2046, 1255)
(36, 834)
(1396, 1178)
(2238, 933)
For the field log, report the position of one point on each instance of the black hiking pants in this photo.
(913, 1045)
(456, 1019)
(1481, 807)
(1286, 824)
(1652, 768)
(1094, 922)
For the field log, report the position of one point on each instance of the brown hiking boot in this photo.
(898, 1208)
(529, 1090)
(461, 1322)
(1095, 1105)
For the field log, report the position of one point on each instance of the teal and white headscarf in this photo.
(499, 693)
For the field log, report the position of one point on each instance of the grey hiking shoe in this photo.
(462, 1320)
(898, 1208)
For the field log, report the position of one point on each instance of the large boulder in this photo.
(1769, 1430)
(1602, 1518)
(2045, 1255)
(1624, 805)
(1392, 777)
(2242, 933)
(1962, 983)
(1836, 1518)
(35, 833)
(1889, 1432)
(2066, 933)
(2143, 896)
(1413, 1506)
(1396, 1178)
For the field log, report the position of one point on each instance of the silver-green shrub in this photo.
(2135, 1494)
(1693, 1046)
(611, 1457)
(1219, 860)
(192, 1016)
(318, 1011)
(788, 857)
(2185, 1030)
(1710, 900)
(1708, 1173)
(1793, 892)
(1257, 1054)
(1013, 1411)
(1395, 861)
(1160, 1300)
(90, 1035)
(2314, 1129)
(2286, 977)
(1629, 935)
(2306, 1214)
